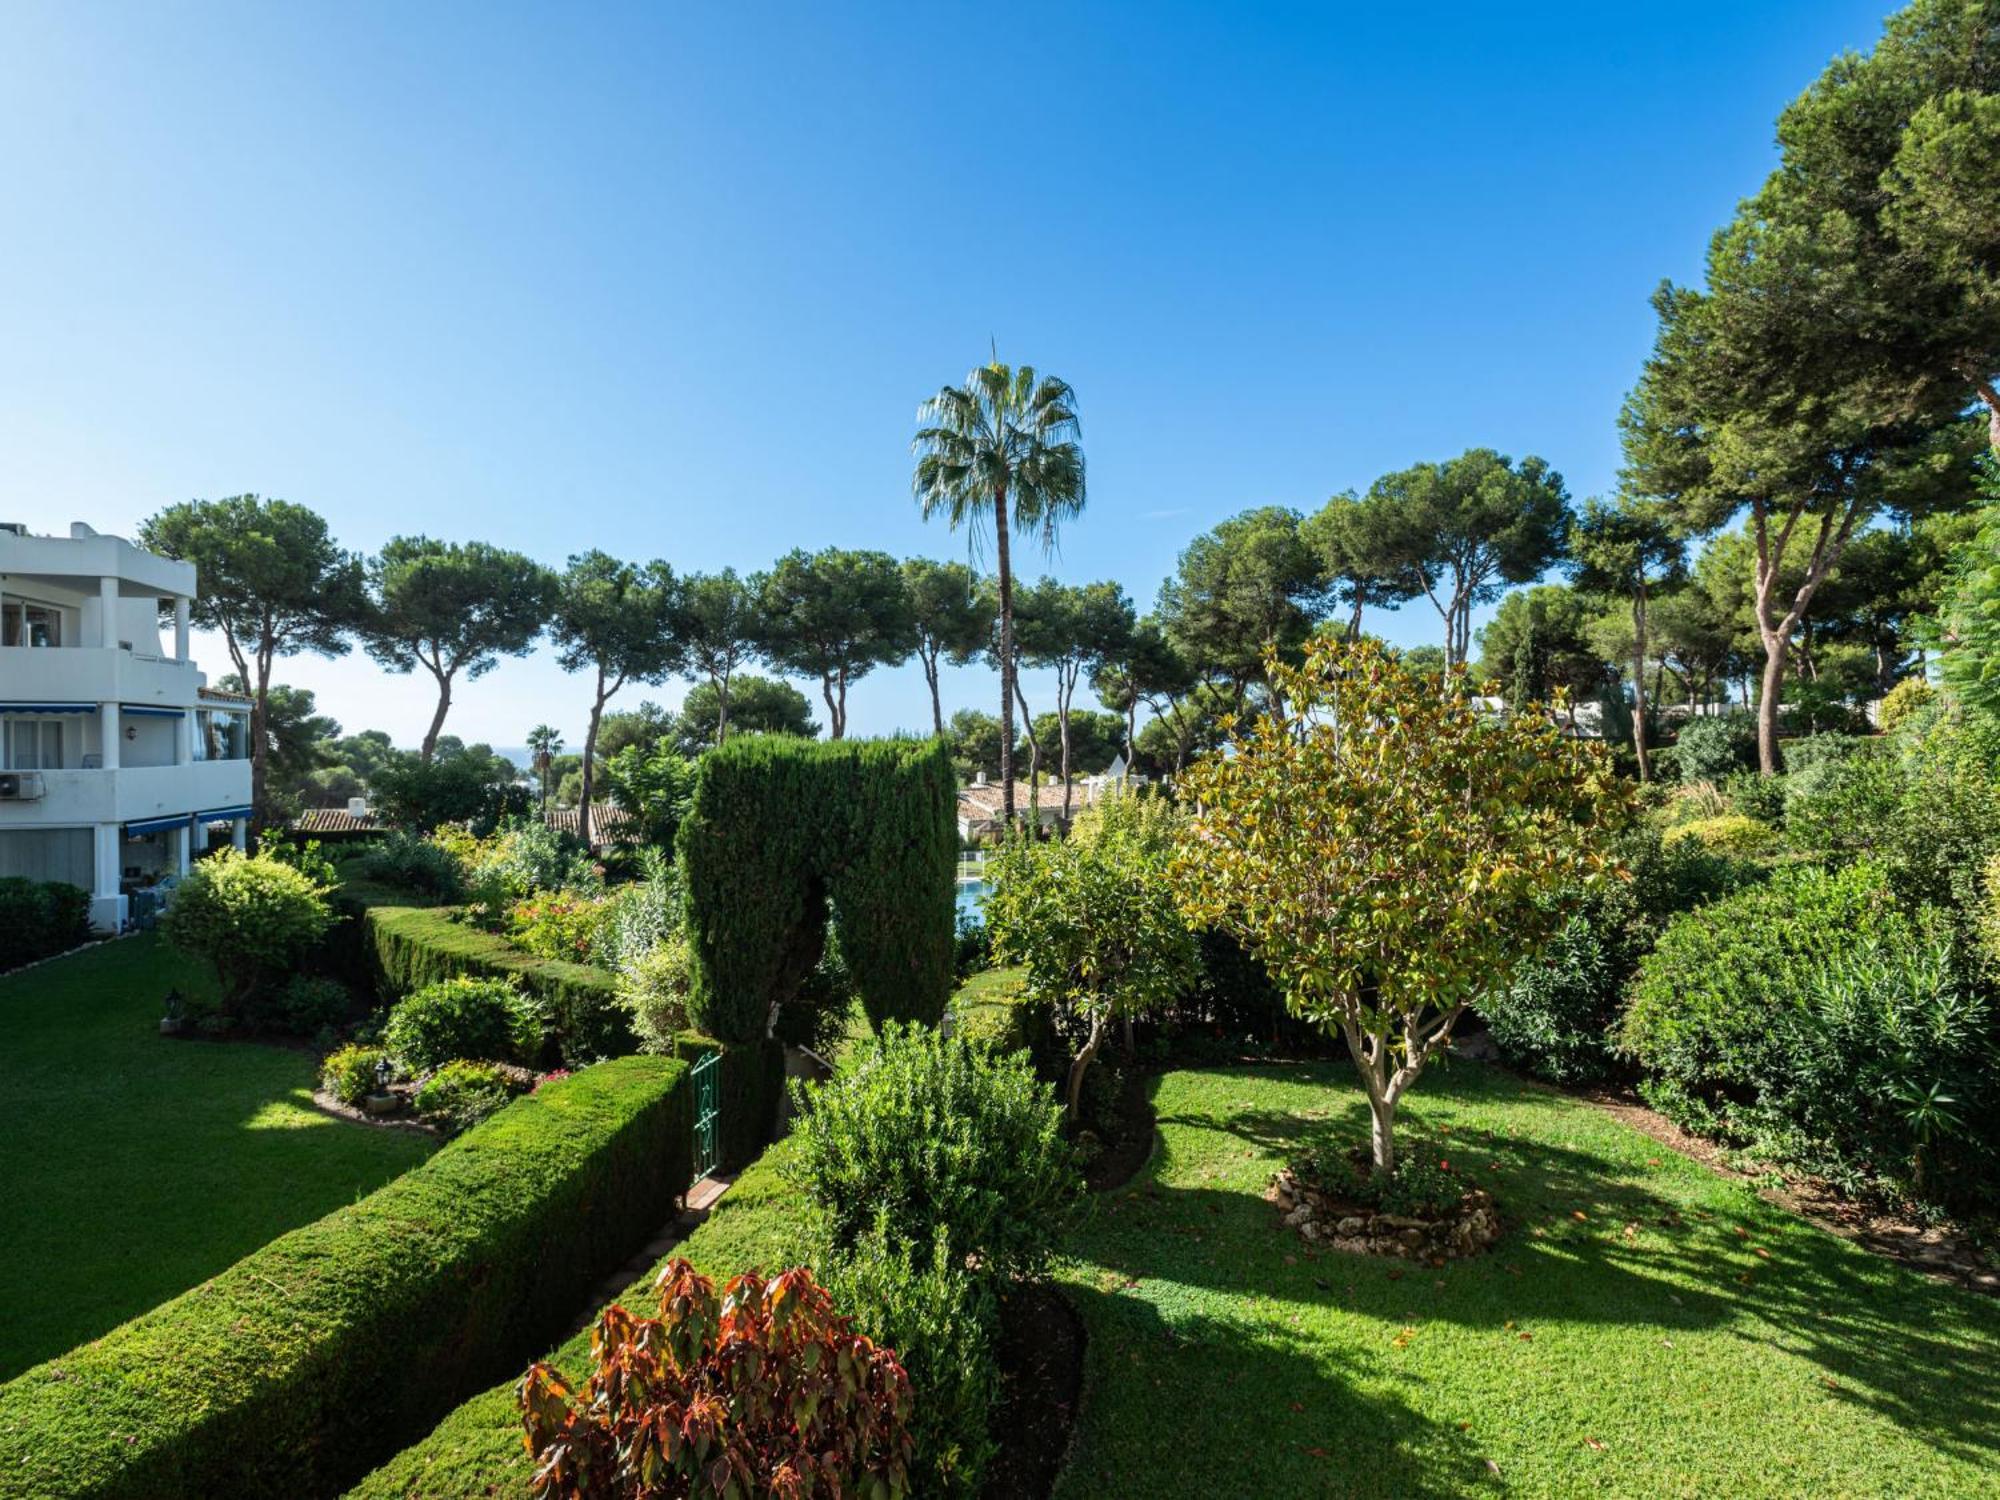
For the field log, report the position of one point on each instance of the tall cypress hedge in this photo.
(782, 829)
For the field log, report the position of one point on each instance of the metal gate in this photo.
(707, 1115)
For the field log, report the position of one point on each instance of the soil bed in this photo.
(1041, 1378)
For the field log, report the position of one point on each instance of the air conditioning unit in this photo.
(20, 786)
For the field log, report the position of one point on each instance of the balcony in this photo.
(95, 674)
(131, 795)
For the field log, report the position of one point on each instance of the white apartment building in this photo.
(117, 761)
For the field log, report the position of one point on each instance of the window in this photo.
(221, 736)
(34, 745)
(25, 623)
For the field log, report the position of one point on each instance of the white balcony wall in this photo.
(131, 795)
(94, 674)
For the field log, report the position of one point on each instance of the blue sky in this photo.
(671, 281)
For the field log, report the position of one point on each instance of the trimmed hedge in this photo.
(476, 1453)
(409, 947)
(333, 1346)
(39, 919)
(750, 1082)
(781, 827)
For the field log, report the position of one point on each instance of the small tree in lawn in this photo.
(1386, 850)
(1093, 921)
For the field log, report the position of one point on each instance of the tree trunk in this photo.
(836, 707)
(1381, 1134)
(1034, 765)
(1639, 683)
(721, 706)
(1992, 399)
(1062, 731)
(1771, 686)
(437, 719)
(589, 757)
(1002, 557)
(929, 659)
(1074, 1092)
(259, 752)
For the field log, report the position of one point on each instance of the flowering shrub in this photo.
(763, 1391)
(557, 924)
(349, 1074)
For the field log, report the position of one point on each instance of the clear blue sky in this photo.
(671, 280)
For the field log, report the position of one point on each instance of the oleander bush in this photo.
(764, 1390)
(316, 1357)
(463, 1019)
(557, 924)
(936, 1142)
(461, 1094)
(349, 1073)
(39, 919)
(251, 918)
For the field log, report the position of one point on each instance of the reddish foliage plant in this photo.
(765, 1391)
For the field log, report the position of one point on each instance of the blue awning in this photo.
(48, 708)
(157, 825)
(222, 815)
(146, 712)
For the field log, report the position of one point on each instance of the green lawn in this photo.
(140, 1166)
(1226, 1359)
(1646, 1328)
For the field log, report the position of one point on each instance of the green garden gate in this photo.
(707, 1114)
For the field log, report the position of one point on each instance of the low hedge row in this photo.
(39, 919)
(298, 1368)
(476, 1452)
(408, 947)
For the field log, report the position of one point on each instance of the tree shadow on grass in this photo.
(1201, 1406)
(1585, 1244)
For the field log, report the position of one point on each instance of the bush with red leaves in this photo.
(765, 1391)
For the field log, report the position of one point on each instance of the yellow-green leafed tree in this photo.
(1381, 846)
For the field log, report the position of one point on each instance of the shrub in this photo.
(249, 917)
(1732, 833)
(1694, 801)
(471, 1019)
(655, 990)
(349, 1074)
(1712, 747)
(1007, 1021)
(461, 1094)
(411, 862)
(779, 829)
(1758, 797)
(765, 1391)
(307, 858)
(309, 1003)
(942, 1323)
(1422, 1185)
(1704, 1008)
(972, 950)
(818, 1014)
(936, 1142)
(1557, 1017)
(302, 1366)
(556, 924)
(406, 948)
(39, 919)
(639, 915)
(1904, 699)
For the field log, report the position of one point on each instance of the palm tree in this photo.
(546, 745)
(1005, 435)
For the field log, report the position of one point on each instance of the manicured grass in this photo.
(1227, 1357)
(139, 1166)
(1646, 1327)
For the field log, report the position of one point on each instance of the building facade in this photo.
(117, 761)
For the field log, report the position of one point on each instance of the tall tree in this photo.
(272, 582)
(758, 705)
(618, 621)
(452, 607)
(953, 617)
(975, 744)
(1538, 641)
(544, 744)
(1462, 531)
(1629, 548)
(835, 615)
(719, 627)
(1251, 585)
(1146, 669)
(299, 740)
(1071, 630)
(1360, 560)
(1006, 443)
